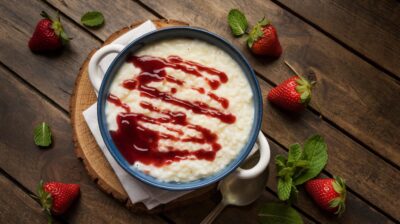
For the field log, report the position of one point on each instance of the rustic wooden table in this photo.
(352, 46)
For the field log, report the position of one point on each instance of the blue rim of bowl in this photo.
(180, 186)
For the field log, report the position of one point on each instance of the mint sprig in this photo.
(315, 152)
(237, 22)
(300, 165)
(93, 19)
(42, 135)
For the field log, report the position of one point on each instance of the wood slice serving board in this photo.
(87, 149)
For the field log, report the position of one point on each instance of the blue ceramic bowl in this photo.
(179, 32)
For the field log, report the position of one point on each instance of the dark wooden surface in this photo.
(352, 46)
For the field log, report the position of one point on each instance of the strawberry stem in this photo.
(58, 16)
(45, 200)
(312, 85)
(292, 68)
(45, 15)
(340, 187)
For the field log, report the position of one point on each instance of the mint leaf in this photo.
(295, 153)
(92, 19)
(279, 213)
(286, 171)
(280, 162)
(315, 152)
(284, 188)
(301, 163)
(238, 22)
(42, 135)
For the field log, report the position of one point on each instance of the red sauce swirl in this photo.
(138, 142)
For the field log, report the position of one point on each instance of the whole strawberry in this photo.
(49, 35)
(263, 40)
(328, 193)
(56, 197)
(293, 94)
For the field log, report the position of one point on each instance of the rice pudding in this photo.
(180, 110)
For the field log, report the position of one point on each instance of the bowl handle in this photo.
(262, 163)
(95, 74)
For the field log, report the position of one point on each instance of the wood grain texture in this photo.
(21, 110)
(54, 75)
(231, 214)
(357, 210)
(117, 13)
(346, 157)
(16, 206)
(296, 38)
(359, 204)
(88, 150)
(350, 92)
(42, 72)
(370, 27)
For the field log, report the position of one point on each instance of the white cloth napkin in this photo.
(136, 190)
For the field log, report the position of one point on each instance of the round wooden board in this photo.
(87, 149)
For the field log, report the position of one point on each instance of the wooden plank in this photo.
(16, 206)
(369, 27)
(288, 129)
(21, 110)
(350, 92)
(115, 20)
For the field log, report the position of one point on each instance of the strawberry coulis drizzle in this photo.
(137, 142)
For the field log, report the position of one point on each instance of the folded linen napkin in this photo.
(136, 190)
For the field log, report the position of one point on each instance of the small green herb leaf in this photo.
(238, 22)
(295, 153)
(92, 19)
(284, 188)
(280, 162)
(302, 163)
(315, 152)
(42, 135)
(287, 171)
(279, 213)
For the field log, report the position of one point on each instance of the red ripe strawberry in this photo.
(328, 193)
(49, 35)
(292, 94)
(56, 197)
(263, 40)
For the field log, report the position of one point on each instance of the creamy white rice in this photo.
(231, 137)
